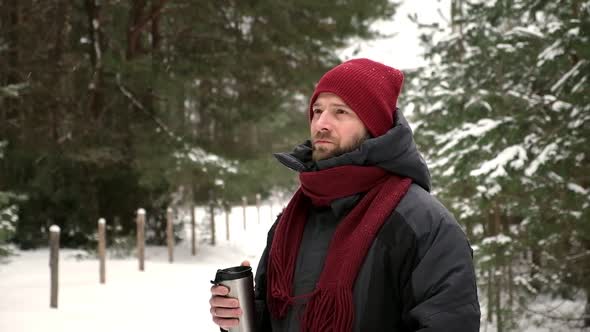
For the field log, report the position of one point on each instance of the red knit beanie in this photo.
(370, 88)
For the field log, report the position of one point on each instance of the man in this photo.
(362, 245)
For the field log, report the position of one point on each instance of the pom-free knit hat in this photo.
(370, 88)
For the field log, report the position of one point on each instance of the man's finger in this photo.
(219, 290)
(225, 302)
(226, 312)
(246, 263)
(225, 323)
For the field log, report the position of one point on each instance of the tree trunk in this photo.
(489, 313)
(212, 214)
(14, 42)
(137, 23)
(510, 287)
(156, 25)
(457, 21)
(490, 231)
(587, 309)
(499, 267)
(95, 99)
(536, 265)
(498, 304)
(8, 109)
(133, 29)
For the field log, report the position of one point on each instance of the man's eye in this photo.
(317, 111)
(341, 111)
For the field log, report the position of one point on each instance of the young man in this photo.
(362, 245)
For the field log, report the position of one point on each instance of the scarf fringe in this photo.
(329, 311)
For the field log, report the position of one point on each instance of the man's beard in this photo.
(320, 153)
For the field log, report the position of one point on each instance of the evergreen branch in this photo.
(185, 147)
(553, 317)
(139, 105)
(581, 255)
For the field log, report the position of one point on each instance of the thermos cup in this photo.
(240, 282)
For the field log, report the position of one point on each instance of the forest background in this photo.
(107, 106)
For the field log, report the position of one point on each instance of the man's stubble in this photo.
(320, 153)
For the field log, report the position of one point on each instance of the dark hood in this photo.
(395, 151)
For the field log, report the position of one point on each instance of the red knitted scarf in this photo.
(330, 305)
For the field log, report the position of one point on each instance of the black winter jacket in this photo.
(418, 274)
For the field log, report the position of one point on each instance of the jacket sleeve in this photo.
(443, 280)
(262, 313)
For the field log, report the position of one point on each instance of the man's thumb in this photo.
(245, 263)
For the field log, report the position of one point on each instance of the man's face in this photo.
(335, 127)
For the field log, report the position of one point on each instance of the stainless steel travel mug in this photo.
(240, 282)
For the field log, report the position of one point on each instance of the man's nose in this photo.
(324, 121)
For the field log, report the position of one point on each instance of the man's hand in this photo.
(225, 310)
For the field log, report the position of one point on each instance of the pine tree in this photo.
(503, 113)
(128, 101)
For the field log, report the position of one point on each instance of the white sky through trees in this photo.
(402, 50)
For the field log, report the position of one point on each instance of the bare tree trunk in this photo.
(7, 109)
(536, 264)
(490, 230)
(60, 91)
(587, 309)
(95, 99)
(193, 231)
(155, 55)
(499, 267)
(457, 21)
(14, 42)
(137, 23)
(469, 231)
(156, 38)
(193, 221)
(170, 234)
(489, 313)
(134, 29)
(212, 214)
(498, 304)
(227, 212)
(510, 286)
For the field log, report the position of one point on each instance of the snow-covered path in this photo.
(164, 297)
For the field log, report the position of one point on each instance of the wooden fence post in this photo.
(141, 238)
(170, 235)
(54, 263)
(258, 207)
(212, 214)
(193, 231)
(227, 211)
(244, 202)
(270, 211)
(102, 245)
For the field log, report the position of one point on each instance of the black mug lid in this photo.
(232, 273)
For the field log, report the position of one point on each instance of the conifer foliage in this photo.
(108, 106)
(503, 111)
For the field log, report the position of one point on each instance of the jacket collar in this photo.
(395, 151)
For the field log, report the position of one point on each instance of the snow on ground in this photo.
(164, 297)
(545, 314)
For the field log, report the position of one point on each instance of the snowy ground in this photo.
(165, 296)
